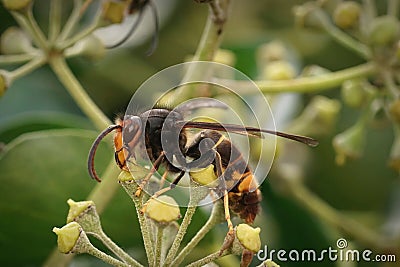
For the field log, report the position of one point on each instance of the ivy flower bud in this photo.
(114, 11)
(77, 209)
(384, 30)
(279, 70)
(15, 41)
(249, 237)
(269, 263)
(271, 51)
(163, 209)
(90, 47)
(353, 93)
(318, 117)
(350, 143)
(225, 56)
(68, 236)
(347, 14)
(310, 15)
(16, 5)
(205, 176)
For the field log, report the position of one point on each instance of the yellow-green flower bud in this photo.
(76, 209)
(318, 117)
(163, 209)
(279, 70)
(310, 15)
(91, 47)
(384, 30)
(350, 143)
(313, 70)
(394, 110)
(270, 263)
(271, 51)
(249, 237)
(347, 14)
(353, 93)
(68, 236)
(114, 11)
(205, 176)
(125, 177)
(225, 56)
(16, 5)
(15, 41)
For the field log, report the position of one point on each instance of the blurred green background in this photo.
(45, 139)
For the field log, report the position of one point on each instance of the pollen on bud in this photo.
(77, 208)
(205, 176)
(347, 14)
(163, 209)
(114, 11)
(350, 143)
(15, 41)
(68, 236)
(249, 237)
(16, 5)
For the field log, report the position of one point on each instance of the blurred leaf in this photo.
(39, 172)
(18, 124)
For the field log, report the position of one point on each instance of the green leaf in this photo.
(15, 125)
(38, 172)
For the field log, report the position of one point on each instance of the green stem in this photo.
(117, 250)
(28, 23)
(66, 77)
(54, 19)
(393, 7)
(348, 41)
(72, 21)
(181, 233)
(27, 68)
(197, 193)
(16, 59)
(82, 34)
(388, 79)
(211, 222)
(370, 9)
(208, 259)
(130, 188)
(104, 257)
(304, 84)
(158, 245)
(209, 44)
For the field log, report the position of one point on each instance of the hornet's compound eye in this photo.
(132, 129)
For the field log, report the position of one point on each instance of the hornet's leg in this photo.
(155, 167)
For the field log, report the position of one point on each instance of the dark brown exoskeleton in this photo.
(164, 134)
